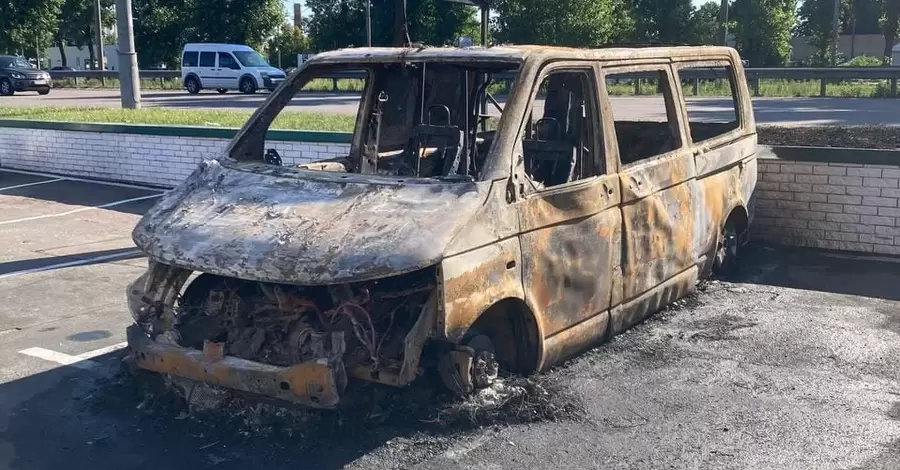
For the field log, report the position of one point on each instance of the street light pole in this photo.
(369, 22)
(129, 79)
(98, 27)
(836, 32)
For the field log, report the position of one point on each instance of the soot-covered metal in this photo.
(451, 236)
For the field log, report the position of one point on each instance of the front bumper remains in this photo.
(316, 384)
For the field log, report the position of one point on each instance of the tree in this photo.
(285, 46)
(162, 27)
(577, 23)
(27, 24)
(76, 25)
(342, 23)
(706, 25)
(762, 30)
(663, 20)
(891, 22)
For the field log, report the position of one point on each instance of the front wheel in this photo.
(6, 87)
(192, 85)
(247, 86)
(471, 366)
(44, 91)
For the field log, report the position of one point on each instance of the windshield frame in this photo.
(240, 54)
(249, 144)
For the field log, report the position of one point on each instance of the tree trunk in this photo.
(93, 54)
(62, 52)
(892, 18)
(401, 35)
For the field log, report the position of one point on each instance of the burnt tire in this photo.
(247, 86)
(6, 87)
(726, 264)
(470, 366)
(192, 85)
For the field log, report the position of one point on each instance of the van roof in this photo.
(212, 45)
(517, 53)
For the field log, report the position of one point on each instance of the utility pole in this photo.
(369, 23)
(836, 32)
(129, 79)
(724, 16)
(98, 27)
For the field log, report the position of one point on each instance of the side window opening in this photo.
(559, 144)
(711, 99)
(190, 59)
(207, 59)
(646, 125)
(226, 60)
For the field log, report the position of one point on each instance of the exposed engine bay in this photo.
(280, 324)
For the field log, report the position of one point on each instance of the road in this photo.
(795, 366)
(780, 111)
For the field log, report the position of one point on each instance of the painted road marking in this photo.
(73, 178)
(82, 361)
(80, 209)
(68, 264)
(31, 184)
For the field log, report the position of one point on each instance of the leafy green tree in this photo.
(76, 25)
(663, 20)
(284, 47)
(342, 23)
(706, 25)
(27, 25)
(762, 30)
(577, 23)
(162, 27)
(816, 21)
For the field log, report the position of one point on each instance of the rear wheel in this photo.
(192, 85)
(44, 91)
(6, 87)
(247, 86)
(727, 252)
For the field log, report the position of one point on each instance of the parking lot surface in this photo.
(794, 366)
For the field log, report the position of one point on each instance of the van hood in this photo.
(260, 222)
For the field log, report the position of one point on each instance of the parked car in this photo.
(16, 74)
(448, 238)
(60, 68)
(224, 67)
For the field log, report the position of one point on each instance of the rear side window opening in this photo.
(190, 59)
(711, 99)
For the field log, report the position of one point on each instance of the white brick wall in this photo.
(143, 159)
(838, 206)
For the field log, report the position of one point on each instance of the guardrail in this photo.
(754, 75)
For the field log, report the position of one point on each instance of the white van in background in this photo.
(224, 67)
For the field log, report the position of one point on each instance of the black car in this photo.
(60, 68)
(16, 74)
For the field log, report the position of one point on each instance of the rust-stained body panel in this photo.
(384, 264)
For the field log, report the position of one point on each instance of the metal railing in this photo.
(754, 76)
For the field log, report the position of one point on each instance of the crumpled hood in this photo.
(266, 223)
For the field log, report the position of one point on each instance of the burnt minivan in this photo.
(458, 232)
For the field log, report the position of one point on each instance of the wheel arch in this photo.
(194, 76)
(515, 332)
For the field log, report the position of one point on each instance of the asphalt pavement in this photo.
(794, 366)
(780, 111)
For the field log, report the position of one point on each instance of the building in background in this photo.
(79, 58)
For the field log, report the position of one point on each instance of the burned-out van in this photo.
(459, 231)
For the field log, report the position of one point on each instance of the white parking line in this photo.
(82, 361)
(31, 184)
(68, 264)
(80, 209)
(73, 178)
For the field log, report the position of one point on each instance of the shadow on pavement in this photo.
(83, 193)
(105, 256)
(823, 271)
